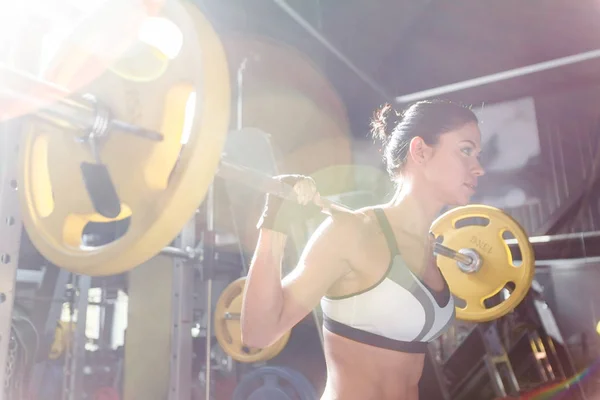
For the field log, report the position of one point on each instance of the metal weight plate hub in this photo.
(158, 185)
(497, 267)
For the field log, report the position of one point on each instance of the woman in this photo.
(373, 271)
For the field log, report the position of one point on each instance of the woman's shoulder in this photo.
(351, 228)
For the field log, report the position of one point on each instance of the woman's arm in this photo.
(272, 307)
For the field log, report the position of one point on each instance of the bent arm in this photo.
(271, 307)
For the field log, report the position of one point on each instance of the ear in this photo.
(419, 151)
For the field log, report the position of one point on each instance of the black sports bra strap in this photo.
(387, 231)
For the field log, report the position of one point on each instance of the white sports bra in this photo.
(400, 312)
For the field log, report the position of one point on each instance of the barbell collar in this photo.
(474, 263)
(441, 250)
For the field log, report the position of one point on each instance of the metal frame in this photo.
(293, 14)
(171, 378)
(81, 114)
(208, 270)
(498, 364)
(180, 384)
(568, 208)
(11, 228)
(75, 351)
(487, 360)
(498, 77)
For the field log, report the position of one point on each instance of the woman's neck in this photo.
(414, 208)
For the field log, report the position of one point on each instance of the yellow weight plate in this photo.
(228, 330)
(159, 184)
(276, 348)
(497, 268)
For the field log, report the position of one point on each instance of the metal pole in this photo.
(182, 303)
(320, 38)
(10, 241)
(179, 253)
(208, 268)
(497, 77)
(75, 352)
(240, 93)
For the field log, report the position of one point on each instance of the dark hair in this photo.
(427, 119)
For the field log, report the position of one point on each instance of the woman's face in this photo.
(453, 166)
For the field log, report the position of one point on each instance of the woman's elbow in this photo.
(254, 341)
(255, 334)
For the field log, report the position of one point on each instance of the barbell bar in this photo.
(58, 106)
(29, 95)
(159, 184)
(468, 259)
(482, 267)
(22, 92)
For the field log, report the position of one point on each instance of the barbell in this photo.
(110, 142)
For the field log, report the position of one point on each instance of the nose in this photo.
(478, 169)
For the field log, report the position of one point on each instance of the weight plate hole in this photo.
(515, 254)
(501, 296)
(96, 234)
(459, 302)
(471, 221)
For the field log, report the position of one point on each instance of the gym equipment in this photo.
(274, 383)
(73, 178)
(84, 174)
(484, 264)
(228, 330)
(56, 230)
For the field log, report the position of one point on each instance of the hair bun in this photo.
(379, 127)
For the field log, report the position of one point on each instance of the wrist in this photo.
(272, 236)
(279, 214)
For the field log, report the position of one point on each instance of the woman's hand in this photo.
(279, 213)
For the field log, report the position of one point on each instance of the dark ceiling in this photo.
(405, 46)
